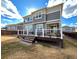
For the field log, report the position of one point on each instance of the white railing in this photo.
(42, 32)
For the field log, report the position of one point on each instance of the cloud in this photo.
(73, 25)
(3, 24)
(70, 25)
(69, 7)
(54, 2)
(30, 10)
(64, 25)
(9, 10)
(6, 21)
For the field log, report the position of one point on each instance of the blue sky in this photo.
(24, 5)
(72, 21)
(12, 11)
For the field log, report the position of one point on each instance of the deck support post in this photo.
(61, 44)
(43, 32)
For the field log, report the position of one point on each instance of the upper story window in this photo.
(29, 19)
(38, 15)
(25, 20)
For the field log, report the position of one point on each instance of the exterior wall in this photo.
(51, 13)
(54, 12)
(11, 28)
(54, 9)
(20, 27)
(53, 16)
(35, 16)
(15, 27)
(41, 13)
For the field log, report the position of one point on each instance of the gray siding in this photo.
(52, 16)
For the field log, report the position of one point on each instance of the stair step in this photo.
(28, 38)
(27, 41)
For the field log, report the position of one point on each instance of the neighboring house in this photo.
(69, 29)
(15, 27)
(46, 18)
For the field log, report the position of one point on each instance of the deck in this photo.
(34, 39)
(43, 36)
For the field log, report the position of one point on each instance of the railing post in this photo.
(23, 31)
(35, 32)
(18, 32)
(61, 33)
(27, 32)
(43, 32)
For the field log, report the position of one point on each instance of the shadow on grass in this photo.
(48, 44)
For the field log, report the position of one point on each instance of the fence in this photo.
(7, 32)
(71, 34)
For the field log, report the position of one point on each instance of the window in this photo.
(39, 26)
(26, 20)
(29, 19)
(29, 27)
(38, 15)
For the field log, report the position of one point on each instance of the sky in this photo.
(12, 11)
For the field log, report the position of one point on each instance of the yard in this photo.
(11, 48)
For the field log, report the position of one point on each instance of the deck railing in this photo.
(42, 32)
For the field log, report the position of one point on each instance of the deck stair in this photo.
(28, 39)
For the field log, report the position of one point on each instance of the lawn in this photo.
(11, 48)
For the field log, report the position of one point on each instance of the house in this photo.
(69, 29)
(44, 21)
(43, 24)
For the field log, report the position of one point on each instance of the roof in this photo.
(43, 9)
